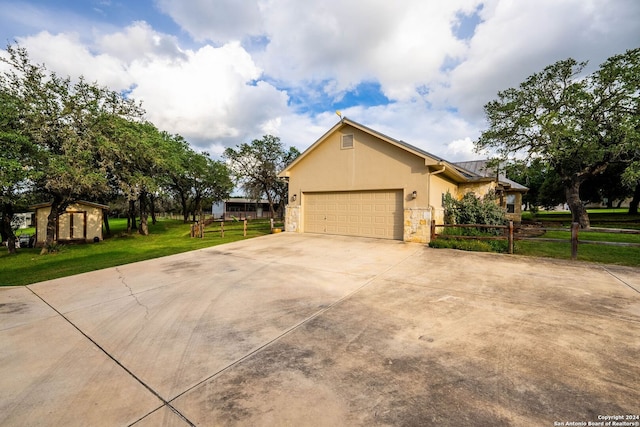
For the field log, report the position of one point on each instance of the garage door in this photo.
(355, 213)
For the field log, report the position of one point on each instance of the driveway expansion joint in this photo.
(116, 361)
(619, 279)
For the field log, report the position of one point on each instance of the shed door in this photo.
(355, 213)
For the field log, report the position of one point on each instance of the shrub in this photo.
(474, 210)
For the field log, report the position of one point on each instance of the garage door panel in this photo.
(357, 213)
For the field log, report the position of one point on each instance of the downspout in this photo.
(429, 187)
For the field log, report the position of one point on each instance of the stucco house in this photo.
(359, 182)
(81, 222)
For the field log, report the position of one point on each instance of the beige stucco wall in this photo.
(439, 186)
(372, 164)
(517, 215)
(480, 189)
(84, 216)
(376, 164)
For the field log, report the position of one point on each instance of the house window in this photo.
(511, 203)
(347, 142)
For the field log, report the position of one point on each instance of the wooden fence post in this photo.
(271, 224)
(244, 229)
(574, 240)
(433, 229)
(510, 237)
(222, 229)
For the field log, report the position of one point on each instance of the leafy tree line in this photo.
(64, 141)
(575, 132)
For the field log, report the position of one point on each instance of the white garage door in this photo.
(355, 213)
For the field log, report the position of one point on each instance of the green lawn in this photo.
(172, 236)
(603, 218)
(167, 237)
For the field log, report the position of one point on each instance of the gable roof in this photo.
(429, 159)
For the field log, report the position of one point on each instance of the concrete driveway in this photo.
(293, 330)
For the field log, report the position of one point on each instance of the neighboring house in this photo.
(241, 208)
(81, 222)
(509, 192)
(356, 181)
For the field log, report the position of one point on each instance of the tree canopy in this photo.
(67, 140)
(256, 166)
(577, 124)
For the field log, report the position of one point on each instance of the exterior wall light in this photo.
(414, 194)
(294, 197)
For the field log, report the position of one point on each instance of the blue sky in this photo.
(222, 72)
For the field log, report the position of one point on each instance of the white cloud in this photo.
(215, 20)
(517, 39)
(461, 149)
(400, 46)
(68, 56)
(208, 96)
(222, 91)
(139, 41)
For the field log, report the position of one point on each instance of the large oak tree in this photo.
(256, 166)
(579, 124)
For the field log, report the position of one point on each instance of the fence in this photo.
(513, 233)
(199, 229)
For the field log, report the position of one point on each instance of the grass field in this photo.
(604, 218)
(167, 237)
(601, 218)
(170, 237)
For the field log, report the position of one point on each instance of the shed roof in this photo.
(81, 202)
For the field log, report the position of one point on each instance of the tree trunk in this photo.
(131, 221)
(152, 208)
(7, 230)
(578, 211)
(270, 200)
(633, 205)
(105, 219)
(144, 226)
(197, 210)
(185, 210)
(57, 207)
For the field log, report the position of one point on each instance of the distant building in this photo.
(509, 192)
(24, 219)
(241, 208)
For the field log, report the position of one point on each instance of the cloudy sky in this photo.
(223, 72)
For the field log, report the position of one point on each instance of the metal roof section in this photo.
(479, 170)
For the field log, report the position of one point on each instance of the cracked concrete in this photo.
(293, 329)
(121, 277)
